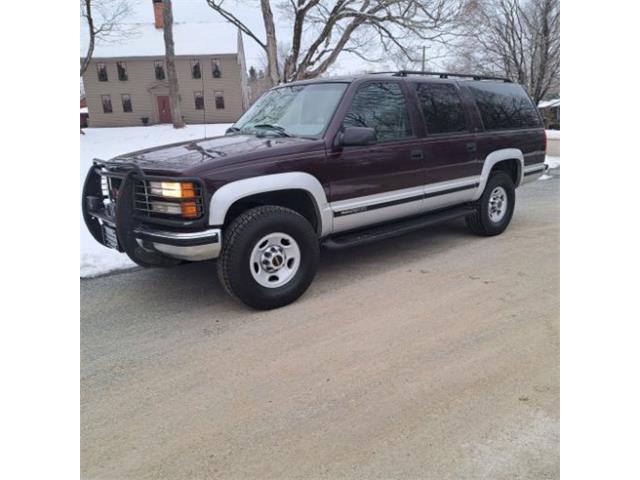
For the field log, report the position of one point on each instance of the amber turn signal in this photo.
(187, 190)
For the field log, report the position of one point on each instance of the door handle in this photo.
(417, 155)
(472, 147)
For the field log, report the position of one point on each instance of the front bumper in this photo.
(194, 246)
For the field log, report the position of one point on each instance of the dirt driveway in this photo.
(429, 356)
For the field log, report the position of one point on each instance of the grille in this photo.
(145, 200)
(110, 187)
(109, 236)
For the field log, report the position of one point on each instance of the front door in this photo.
(164, 109)
(375, 183)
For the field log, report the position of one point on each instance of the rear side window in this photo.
(441, 108)
(380, 106)
(504, 106)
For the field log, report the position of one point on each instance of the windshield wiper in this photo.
(232, 130)
(277, 128)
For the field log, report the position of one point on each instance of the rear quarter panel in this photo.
(531, 142)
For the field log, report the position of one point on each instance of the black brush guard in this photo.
(114, 224)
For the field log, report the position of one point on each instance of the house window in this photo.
(122, 71)
(195, 69)
(159, 68)
(126, 103)
(199, 100)
(219, 97)
(106, 104)
(215, 68)
(102, 72)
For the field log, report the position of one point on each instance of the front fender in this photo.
(230, 193)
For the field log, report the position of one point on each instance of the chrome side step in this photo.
(395, 229)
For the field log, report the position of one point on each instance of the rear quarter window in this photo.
(504, 106)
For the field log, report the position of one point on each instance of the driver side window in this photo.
(381, 106)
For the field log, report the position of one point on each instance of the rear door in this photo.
(450, 150)
(375, 183)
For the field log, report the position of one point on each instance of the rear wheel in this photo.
(494, 209)
(269, 257)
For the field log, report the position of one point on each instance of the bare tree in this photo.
(516, 38)
(322, 30)
(104, 21)
(271, 44)
(172, 77)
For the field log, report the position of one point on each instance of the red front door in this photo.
(164, 108)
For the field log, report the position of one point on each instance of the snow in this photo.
(553, 134)
(145, 40)
(553, 162)
(549, 103)
(105, 143)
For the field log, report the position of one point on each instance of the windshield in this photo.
(302, 110)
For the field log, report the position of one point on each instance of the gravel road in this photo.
(432, 356)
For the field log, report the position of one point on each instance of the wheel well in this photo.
(297, 200)
(511, 167)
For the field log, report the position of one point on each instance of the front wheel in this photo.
(269, 257)
(494, 209)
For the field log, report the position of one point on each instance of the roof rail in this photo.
(404, 73)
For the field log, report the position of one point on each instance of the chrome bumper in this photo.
(194, 246)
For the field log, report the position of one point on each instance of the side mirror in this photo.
(357, 137)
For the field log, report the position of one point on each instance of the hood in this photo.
(209, 152)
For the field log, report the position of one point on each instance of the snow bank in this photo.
(553, 162)
(553, 134)
(106, 143)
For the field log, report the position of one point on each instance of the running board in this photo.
(390, 230)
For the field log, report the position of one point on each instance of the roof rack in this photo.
(404, 73)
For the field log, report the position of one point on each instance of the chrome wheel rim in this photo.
(274, 260)
(498, 203)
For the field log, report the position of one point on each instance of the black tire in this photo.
(480, 222)
(242, 236)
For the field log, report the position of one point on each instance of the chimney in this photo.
(157, 13)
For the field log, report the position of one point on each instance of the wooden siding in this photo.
(143, 88)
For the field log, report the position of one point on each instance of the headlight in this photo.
(172, 189)
(184, 192)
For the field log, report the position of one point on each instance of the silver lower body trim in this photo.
(531, 173)
(379, 208)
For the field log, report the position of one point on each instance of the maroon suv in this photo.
(335, 162)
